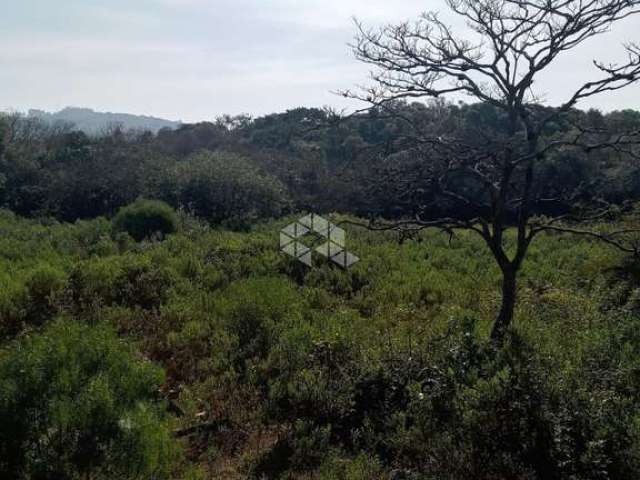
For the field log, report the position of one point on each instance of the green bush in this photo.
(224, 188)
(290, 372)
(145, 218)
(255, 312)
(75, 402)
(127, 280)
(361, 467)
(45, 286)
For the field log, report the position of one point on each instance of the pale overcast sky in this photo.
(196, 59)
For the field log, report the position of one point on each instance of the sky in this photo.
(194, 60)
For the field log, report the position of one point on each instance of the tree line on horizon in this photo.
(236, 170)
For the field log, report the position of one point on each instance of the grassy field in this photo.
(274, 370)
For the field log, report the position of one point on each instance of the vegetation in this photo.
(223, 188)
(150, 328)
(302, 159)
(145, 218)
(76, 401)
(492, 172)
(275, 370)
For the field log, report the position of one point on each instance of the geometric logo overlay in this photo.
(313, 233)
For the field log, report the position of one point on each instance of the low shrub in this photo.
(362, 467)
(128, 280)
(75, 402)
(45, 286)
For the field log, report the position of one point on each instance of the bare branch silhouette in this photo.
(513, 42)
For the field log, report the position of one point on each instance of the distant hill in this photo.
(91, 122)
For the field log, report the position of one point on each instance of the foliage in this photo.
(223, 188)
(274, 369)
(145, 218)
(75, 402)
(44, 287)
(305, 157)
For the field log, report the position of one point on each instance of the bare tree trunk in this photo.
(505, 317)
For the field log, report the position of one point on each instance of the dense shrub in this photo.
(75, 402)
(255, 312)
(144, 218)
(128, 280)
(44, 287)
(12, 295)
(279, 370)
(362, 467)
(224, 188)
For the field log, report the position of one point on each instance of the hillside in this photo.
(92, 122)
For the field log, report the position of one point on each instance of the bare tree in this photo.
(513, 43)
